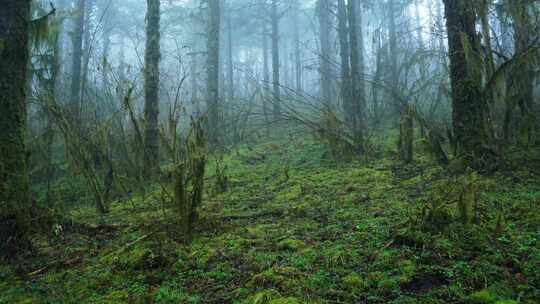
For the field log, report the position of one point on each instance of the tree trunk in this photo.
(14, 182)
(275, 60)
(324, 25)
(266, 70)
(357, 101)
(214, 20)
(76, 65)
(346, 84)
(525, 73)
(468, 103)
(297, 51)
(151, 87)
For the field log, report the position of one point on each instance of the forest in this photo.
(270, 151)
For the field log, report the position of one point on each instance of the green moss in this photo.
(354, 282)
(262, 297)
(288, 300)
(483, 297)
(291, 244)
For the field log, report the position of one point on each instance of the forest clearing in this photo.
(270, 151)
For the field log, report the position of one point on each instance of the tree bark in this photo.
(76, 65)
(214, 20)
(346, 84)
(275, 60)
(357, 98)
(151, 88)
(468, 103)
(324, 58)
(14, 181)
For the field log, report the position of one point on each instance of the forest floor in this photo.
(296, 227)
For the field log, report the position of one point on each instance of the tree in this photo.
(323, 8)
(468, 102)
(524, 74)
(346, 83)
(275, 59)
(214, 20)
(151, 88)
(76, 65)
(357, 92)
(14, 182)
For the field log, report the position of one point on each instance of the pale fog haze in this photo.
(270, 151)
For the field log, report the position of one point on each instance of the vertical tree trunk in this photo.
(76, 65)
(346, 84)
(266, 69)
(468, 102)
(297, 52)
(107, 32)
(230, 66)
(151, 88)
(87, 53)
(275, 60)
(14, 184)
(525, 74)
(357, 101)
(323, 8)
(214, 20)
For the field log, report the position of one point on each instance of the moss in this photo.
(291, 244)
(483, 297)
(262, 297)
(354, 282)
(288, 300)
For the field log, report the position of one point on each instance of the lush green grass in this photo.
(296, 227)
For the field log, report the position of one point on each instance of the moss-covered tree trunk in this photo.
(14, 184)
(468, 102)
(151, 89)
(524, 74)
(214, 20)
(346, 84)
(357, 92)
(77, 57)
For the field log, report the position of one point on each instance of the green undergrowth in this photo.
(295, 226)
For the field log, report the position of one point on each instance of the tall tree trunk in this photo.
(87, 53)
(357, 101)
(230, 66)
(77, 56)
(297, 52)
(468, 103)
(275, 60)
(107, 32)
(266, 69)
(323, 8)
(151, 88)
(14, 182)
(214, 20)
(346, 84)
(524, 75)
